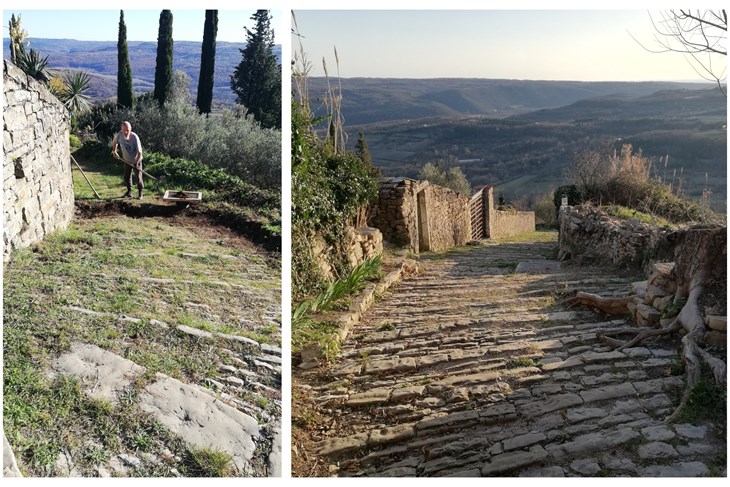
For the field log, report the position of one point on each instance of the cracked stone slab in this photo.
(332, 446)
(522, 441)
(657, 450)
(608, 392)
(537, 267)
(581, 414)
(657, 433)
(201, 419)
(593, 442)
(392, 434)
(275, 460)
(373, 396)
(690, 431)
(684, 469)
(507, 462)
(407, 393)
(585, 467)
(103, 374)
(550, 404)
(390, 365)
(471, 379)
(563, 364)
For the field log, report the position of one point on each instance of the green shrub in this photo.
(232, 141)
(328, 189)
(73, 142)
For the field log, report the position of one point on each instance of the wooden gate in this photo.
(476, 212)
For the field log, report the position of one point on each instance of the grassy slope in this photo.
(220, 282)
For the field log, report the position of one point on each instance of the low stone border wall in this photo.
(588, 235)
(312, 354)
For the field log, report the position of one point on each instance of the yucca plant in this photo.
(34, 65)
(337, 289)
(74, 93)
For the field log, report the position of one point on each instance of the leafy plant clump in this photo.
(707, 401)
(336, 290)
(306, 330)
(328, 190)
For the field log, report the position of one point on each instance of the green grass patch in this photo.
(706, 401)
(624, 213)
(105, 266)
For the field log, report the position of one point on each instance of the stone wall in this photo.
(38, 193)
(503, 224)
(421, 216)
(361, 244)
(395, 214)
(588, 235)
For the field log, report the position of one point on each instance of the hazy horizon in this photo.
(559, 45)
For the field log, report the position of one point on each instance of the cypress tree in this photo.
(362, 150)
(256, 81)
(124, 70)
(163, 66)
(207, 62)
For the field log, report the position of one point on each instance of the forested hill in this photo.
(370, 100)
(99, 58)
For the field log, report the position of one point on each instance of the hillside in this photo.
(372, 100)
(528, 153)
(99, 58)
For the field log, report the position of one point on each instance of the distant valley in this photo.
(99, 59)
(521, 135)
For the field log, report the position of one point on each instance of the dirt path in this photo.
(143, 347)
(471, 369)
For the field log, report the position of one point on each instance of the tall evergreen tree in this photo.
(124, 70)
(362, 150)
(207, 62)
(257, 79)
(163, 66)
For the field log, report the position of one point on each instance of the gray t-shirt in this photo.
(130, 148)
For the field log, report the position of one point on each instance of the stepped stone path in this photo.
(471, 369)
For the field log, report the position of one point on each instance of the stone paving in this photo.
(469, 369)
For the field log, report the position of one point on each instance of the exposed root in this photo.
(610, 306)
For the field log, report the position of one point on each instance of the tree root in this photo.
(610, 306)
(689, 319)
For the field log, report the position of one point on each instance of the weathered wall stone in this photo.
(504, 224)
(38, 193)
(360, 244)
(588, 235)
(421, 215)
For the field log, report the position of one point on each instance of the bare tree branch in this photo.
(699, 34)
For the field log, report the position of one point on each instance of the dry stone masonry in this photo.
(588, 235)
(505, 223)
(424, 217)
(37, 181)
(421, 216)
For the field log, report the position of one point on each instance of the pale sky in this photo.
(142, 24)
(584, 45)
